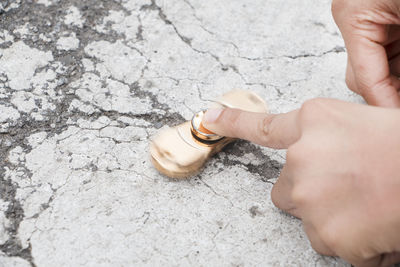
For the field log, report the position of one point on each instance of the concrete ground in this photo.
(85, 84)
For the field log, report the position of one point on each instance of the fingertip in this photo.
(211, 116)
(213, 121)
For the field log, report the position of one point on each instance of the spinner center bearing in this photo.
(200, 133)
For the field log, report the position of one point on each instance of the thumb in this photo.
(365, 30)
(371, 73)
(275, 131)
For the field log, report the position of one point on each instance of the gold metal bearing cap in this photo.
(181, 151)
(200, 133)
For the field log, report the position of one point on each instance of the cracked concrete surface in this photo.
(85, 84)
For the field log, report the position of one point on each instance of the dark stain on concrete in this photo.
(268, 170)
(48, 21)
(254, 211)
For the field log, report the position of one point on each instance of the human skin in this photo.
(342, 171)
(370, 29)
(341, 177)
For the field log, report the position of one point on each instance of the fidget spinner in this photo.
(182, 151)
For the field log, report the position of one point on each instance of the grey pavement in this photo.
(84, 85)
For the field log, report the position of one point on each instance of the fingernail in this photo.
(212, 115)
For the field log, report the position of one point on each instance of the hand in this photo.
(342, 173)
(371, 32)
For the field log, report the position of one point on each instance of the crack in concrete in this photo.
(208, 30)
(15, 214)
(139, 34)
(335, 50)
(164, 18)
(215, 192)
(186, 40)
(56, 121)
(47, 21)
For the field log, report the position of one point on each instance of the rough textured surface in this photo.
(85, 84)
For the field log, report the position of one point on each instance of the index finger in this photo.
(272, 130)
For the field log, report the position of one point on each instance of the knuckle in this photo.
(299, 196)
(275, 197)
(312, 104)
(297, 156)
(294, 159)
(264, 128)
(350, 82)
(377, 87)
(380, 93)
(293, 154)
(311, 109)
(317, 247)
(328, 236)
